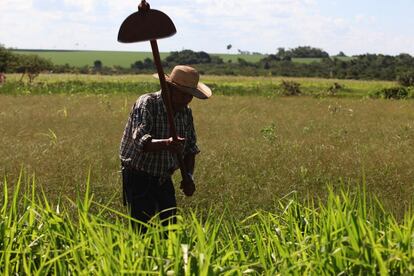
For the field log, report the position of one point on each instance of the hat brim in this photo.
(202, 91)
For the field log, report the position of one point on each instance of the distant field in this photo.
(125, 59)
(110, 58)
(82, 58)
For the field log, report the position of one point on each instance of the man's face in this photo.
(179, 99)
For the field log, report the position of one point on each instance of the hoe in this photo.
(149, 24)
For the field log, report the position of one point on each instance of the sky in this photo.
(352, 26)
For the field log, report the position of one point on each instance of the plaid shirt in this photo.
(147, 120)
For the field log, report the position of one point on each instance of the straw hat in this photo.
(186, 79)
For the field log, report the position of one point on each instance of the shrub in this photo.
(334, 88)
(395, 93)
(290, 88)
(269, 132)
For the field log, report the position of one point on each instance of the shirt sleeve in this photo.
(191, 141)
(141, 124)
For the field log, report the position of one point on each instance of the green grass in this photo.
(346, 234)
(221, 85)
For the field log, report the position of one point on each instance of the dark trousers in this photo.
(145, 196)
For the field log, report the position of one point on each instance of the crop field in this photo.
(82, 58)
(111, 58)
(125, 59)
(310, 184)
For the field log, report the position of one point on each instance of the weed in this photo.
(269, 132)
(290, 88)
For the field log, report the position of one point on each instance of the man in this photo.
(2, 78)
(149, 154)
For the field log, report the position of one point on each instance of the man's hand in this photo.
(169, 144)
(175, 146)
(187, 185)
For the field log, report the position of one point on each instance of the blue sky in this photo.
(354, 27)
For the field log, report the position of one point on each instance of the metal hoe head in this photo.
(146, 24)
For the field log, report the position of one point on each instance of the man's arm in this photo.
(187, 184)
(154, 145)
(190, 151)
(189, 162)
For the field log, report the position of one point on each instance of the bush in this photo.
(290, 88)
(334, 88)
(395, 93)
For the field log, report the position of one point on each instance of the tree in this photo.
(301, 52)
(405, 60)
(308, 52)
(31, 65)
(142, 65)
(188, 57)
(137, 65)
(281, 52)
(148, 63)
(97, 65)
(5, 58)
(229, 46)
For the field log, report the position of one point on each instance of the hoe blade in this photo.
(146, 25)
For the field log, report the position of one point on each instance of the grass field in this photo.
(221, 85)
(256, 150)
(125, 59)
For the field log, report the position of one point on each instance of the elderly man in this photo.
(148, 153)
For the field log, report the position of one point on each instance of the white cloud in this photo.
(85, 6)
(15, 5)
(209, 25)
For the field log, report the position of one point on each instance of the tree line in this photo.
(366, 66)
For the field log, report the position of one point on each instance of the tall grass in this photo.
(347, 234)
(221, 85)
